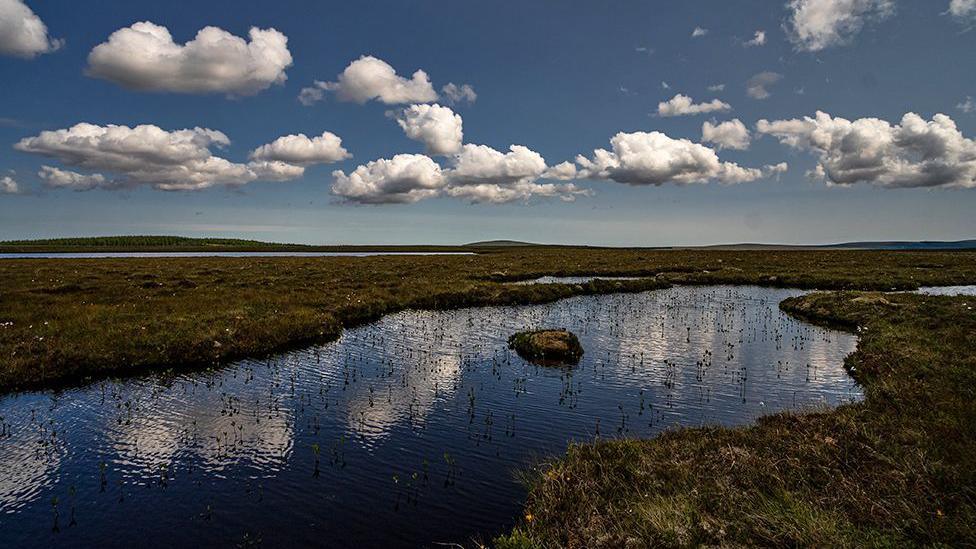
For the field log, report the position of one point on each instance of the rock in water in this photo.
(547, 347)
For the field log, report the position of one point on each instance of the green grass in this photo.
(896, 469)
(64, 320)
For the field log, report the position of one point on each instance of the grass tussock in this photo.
(547, 346)
(896, 469)
(64, 320)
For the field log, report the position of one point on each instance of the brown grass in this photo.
(72, 319)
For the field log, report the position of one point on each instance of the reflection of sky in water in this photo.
(417, 422)
(948, 290)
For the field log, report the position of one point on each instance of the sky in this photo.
(631, 123)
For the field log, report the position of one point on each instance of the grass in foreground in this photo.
(896, 469)
(65, 320)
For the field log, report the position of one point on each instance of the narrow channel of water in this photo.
(406, 432)
(947, 290)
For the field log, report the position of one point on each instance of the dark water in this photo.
(418, 423)
(109, 255)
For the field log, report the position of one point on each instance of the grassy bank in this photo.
(70, 319)
(185, 244)
(896, 469)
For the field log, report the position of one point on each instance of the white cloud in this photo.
(968, 106)
(681, 105)
(300, 150)
(144, 57)
(758, 39)
(478, 164)
(564, 171)
(483, 174)
(22, 33)
(642, 158)
(406, 178)
(437, 127)
(913, 153)
(54, 177)
(727, 135)
(478, 173)
(716, 87)
(369, 78)
(757, 86)
(814, 25)
(312, 94)
(963, 9)
(665, 86)
(487, 193)
(455, 95)
(149, 155)
(8, 185)
(698, 32)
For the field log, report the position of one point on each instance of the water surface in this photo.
(947, 290)
(404, 433)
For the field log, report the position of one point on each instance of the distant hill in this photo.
(881, 245)
(909, 245)
(500, 244)
(183, 243)
(137, 242)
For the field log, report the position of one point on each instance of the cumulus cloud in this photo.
(758, 39)
(150, 155)
(758, 86)
(814, 25)
(22, 33)
(369, 78)
(483, 174)
(727, 135)
(642, 158)
(681, 105)
(698, 32)
(437, 127)
(478, 164)
(8, 185)
(145, 57)
(564, 171)
(406, 178)
(477, 173)
(455, 95)
(914, 153)
(963, 9)
(54, 177)
(300, 150)
(487, 193)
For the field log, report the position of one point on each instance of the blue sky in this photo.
(558, 77)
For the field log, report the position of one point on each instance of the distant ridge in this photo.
(137, 241)
(910, 245)
(867, 245)
(500, 244)
(182, 243)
